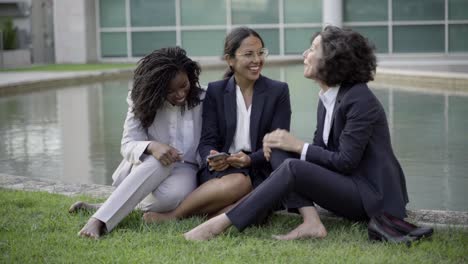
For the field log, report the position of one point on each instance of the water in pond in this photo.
(73, 134)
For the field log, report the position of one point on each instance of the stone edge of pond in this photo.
(435, 218)
(75, 78)
(416, 79)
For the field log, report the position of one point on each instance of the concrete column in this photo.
(42, 31)
(332, 13)
(75, 31)
(90, 22)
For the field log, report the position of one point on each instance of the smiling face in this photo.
(179, 88)
(312, 57)
(248, 62)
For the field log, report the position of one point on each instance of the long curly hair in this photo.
(152, 79)
(348, 57)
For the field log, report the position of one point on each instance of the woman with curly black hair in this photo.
(159, 143)
(349, 169)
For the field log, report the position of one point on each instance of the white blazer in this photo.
(181, 131)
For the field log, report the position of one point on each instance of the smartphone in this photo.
(217, 156)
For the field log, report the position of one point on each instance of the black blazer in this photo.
(359, 146)
(271, 109)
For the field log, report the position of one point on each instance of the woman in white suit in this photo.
(159, 143)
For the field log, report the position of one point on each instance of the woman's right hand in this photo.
(281, 139)
(218, 164)
(164, 153)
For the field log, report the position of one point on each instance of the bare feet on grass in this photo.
(83, 206)
(209, 229)
(304, 230)
(153, 217)
(93, 229)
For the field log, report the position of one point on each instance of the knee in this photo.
(151, 161)
(287, 169)
(288, 163)
(153, 167)
(278, 157)
(242, 183)
(171, 201)
(236, 185)
(165, 203)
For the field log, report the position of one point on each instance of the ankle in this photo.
(317, 228)
(313, 223)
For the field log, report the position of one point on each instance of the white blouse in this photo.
(241, 139)
(328, 99)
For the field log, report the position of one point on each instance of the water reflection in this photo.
(73, 134)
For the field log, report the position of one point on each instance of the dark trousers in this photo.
(300, 183)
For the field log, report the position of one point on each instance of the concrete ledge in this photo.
(29, 184)
(15, 58)
(422, 79)
(20, 82)
(436, 218)
(34, 81)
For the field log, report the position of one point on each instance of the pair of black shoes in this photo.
(389, 228)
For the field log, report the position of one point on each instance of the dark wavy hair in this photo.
(152, 79)
(348, 57)
(233, 41)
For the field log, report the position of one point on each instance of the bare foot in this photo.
(209, 229)
(93, 229)
(83, 206)
(304, 231)
(153, 217)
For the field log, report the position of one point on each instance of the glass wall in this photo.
(129, 29)
(410, 26)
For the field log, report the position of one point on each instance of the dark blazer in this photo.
(271, 109)
(359, 146)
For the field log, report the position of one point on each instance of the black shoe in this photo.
(377, 230)
(407, 228)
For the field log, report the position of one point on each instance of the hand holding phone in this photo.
(217, 156)
(239, 160)
(217, 160)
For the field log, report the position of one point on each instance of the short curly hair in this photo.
(152, 79)
(348, 57)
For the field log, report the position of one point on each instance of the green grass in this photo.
(73, 67)
(35, 227)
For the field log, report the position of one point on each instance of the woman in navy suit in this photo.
(238, 112)
(349, 169)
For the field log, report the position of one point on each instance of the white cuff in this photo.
(304, 151)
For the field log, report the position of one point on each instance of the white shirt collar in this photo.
(328, 98)
(240, 100)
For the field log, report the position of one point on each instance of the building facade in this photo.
(126, 30)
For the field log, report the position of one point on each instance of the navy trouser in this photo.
(300, 183)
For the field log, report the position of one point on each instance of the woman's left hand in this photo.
(239, 160)
(281, 139)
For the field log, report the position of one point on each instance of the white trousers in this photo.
(163, 187)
